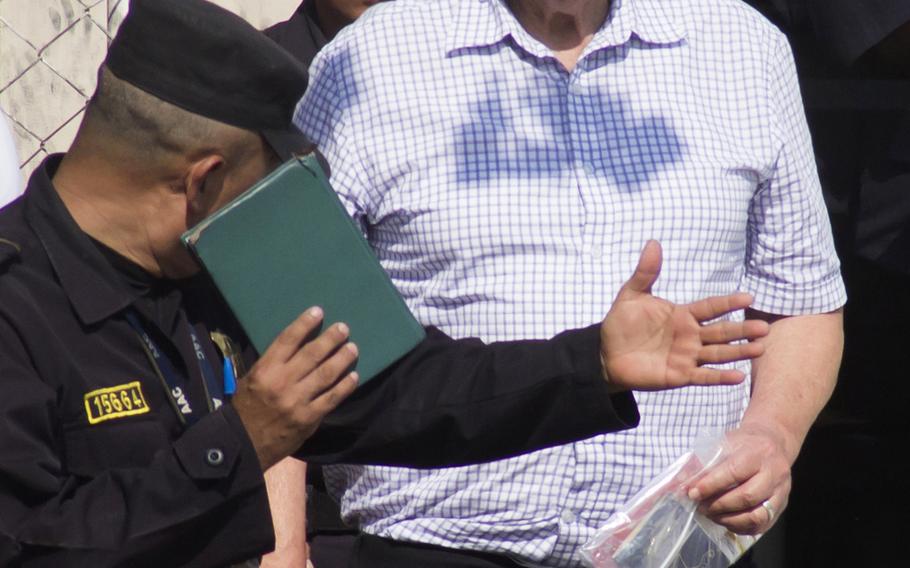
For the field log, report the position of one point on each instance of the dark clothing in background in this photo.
(859, 113)
(851, 490)
(92, 479)
(375, 552)
(835, 33)
(300, 34)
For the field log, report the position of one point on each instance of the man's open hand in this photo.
(648, 343)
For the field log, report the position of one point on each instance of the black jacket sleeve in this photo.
(179, 510)
(448, 402)
(454, 402)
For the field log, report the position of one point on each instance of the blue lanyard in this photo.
(175, 385)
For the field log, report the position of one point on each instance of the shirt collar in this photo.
(94, 288)
(481, 23)
(477, 23)
(657, 22)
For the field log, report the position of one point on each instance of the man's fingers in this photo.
(727, 331)
(723, 477)
(729, 353)
(705, 376)
(753, 519)
(716, 306)
(324, 376)
(332, 397)
(288, 341)
(645, 274)
(314, 352)
(748, 489)
(742, 499)
(752, 522)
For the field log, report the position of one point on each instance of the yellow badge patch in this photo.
(115, 402)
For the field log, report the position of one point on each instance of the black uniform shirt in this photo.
(93, 455)
(96, 468)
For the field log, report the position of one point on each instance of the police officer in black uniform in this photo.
(119, 445)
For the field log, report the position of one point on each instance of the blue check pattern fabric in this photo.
(509, 198)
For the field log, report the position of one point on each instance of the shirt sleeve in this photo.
(182, 509)
(324, 116)
(455, 402)
(791, 265)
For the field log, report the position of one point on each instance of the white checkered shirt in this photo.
(509, 199)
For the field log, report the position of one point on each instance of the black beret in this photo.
(211, 62)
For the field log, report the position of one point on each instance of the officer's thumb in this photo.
(646, 272)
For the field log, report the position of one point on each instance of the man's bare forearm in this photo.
(794, 378)
(286, 485)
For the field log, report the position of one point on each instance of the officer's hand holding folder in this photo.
(287, 244)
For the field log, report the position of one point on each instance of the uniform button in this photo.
(568, 516)
(214, 457)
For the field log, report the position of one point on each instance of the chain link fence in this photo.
(50, 51)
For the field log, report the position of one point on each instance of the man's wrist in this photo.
(788, 441)
(612, 387)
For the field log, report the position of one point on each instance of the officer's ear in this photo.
(203, 183)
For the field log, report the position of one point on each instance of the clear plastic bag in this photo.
(660, 527)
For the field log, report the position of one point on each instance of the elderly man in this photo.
(119, 445)
(507, 160)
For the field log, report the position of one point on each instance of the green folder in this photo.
(287, 244)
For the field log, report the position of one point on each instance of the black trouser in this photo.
(374, 552)
(332, 550)
(331, 542)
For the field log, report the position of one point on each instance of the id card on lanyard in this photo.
(175, 385)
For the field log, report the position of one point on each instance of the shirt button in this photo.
(568, 517)
(594, 251)
(589, 169)
(214, 457)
